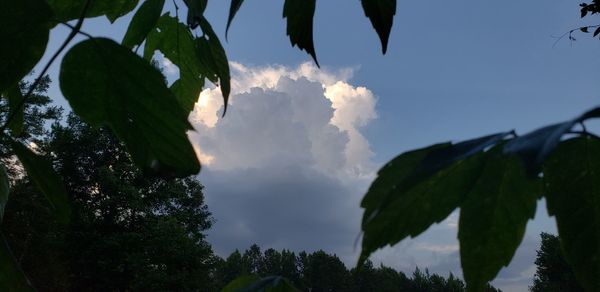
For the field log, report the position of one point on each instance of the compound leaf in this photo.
(128, 94)
(420, 188)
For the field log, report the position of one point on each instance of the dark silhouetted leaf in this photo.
(252, 283)
(214, 59)
(233, 9)
(128, 94)
(176, 42)
(493, 218)
(65, 10)
(15, 99)
(24, 36)
(583, 29)
(40, 171)
(420, 188)
(597, 31)
(4, 190)
(534, 147)
(142, 23)
(195, 11)
(572, 180)
(381, 13)
(299, 14)
(11, 275)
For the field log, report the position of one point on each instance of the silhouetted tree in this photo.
(553, 273)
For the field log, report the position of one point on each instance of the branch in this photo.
(75, 29)
(570, 32)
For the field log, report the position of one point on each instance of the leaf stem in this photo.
(74, 30)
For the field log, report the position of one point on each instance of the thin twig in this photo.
(79, 31)
(72, 35)
(570, 33)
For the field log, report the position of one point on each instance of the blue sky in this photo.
(454, 70)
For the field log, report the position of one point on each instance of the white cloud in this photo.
(288, 165)
(277, 112)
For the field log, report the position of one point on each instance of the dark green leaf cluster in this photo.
(496, 181)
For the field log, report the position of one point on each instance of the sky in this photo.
(288, 165)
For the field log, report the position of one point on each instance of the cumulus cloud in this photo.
(288, 165)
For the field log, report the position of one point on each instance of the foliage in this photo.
(502, 172)
(128, 231)
(553, 273)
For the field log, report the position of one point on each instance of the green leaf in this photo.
(572, 181)
(493, 218)
(12, 277)
(420, 188)
(176, 42)
(128, 94)
(142, 22)
(65, 10)
(381, 13)
(15, 99)
(233, 9)
(299, 14)
(40, 171)
(214, 59)
(4, 190)
(195, 11)
(251, 283)
(24, 36)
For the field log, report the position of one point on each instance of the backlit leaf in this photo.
(214, 59)
(128, 94)
(65, 10)
(24, 36)
(572, 181)
(142, 22)
(493, 218)
(233, 9)
(42, 174)
(176, 42)
(381, 13)
(299, 14)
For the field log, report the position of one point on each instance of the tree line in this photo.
(130, 231)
